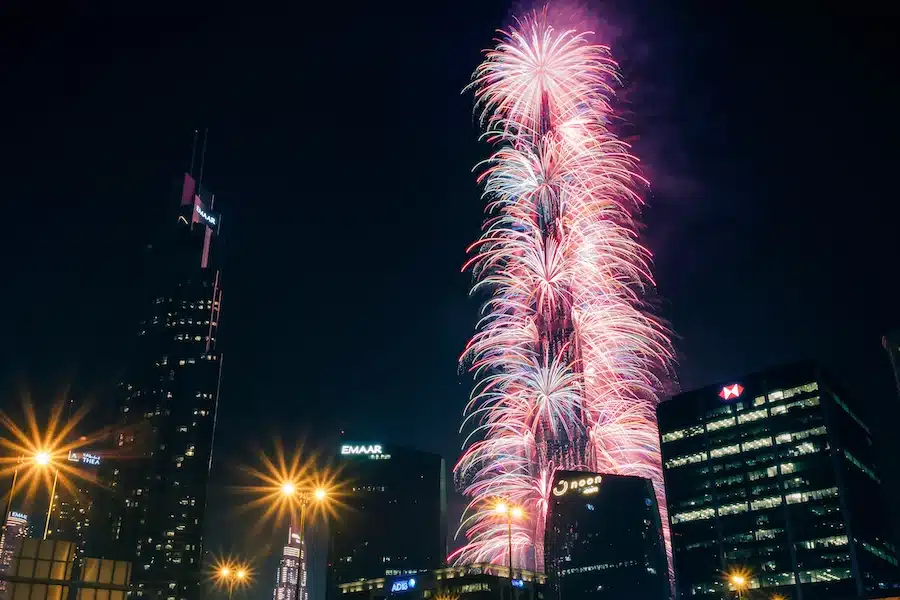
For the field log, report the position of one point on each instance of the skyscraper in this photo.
(393, 517)
(604, 539)
(773, 474)
(289, 569)
(169, 409)
(15, 531)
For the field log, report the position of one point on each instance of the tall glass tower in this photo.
(169, 410)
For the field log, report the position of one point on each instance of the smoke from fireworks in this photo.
(566, 355)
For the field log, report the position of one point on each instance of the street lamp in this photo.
(231, 575)
(739, 581)
(291, 492)
(40, 459)
(511, 512)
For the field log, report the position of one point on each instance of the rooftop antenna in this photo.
(193, 152)
(203, 156)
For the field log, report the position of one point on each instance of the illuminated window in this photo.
(783, 438)
(686, 459)
(720, 424)
(724, 451)
(693, 515)
(802, 389)
(799, 497)
(759, 401)
(824, 575)
(764, 503)
(732, 509)
(777, 395)
(768, 534)
(753, 415)
(756, 444)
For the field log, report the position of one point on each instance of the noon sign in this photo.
(585, 485)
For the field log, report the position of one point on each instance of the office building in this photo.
(604, 539)
(169, 408)
(73, 514)
(481, 581)
(773, 474)
(393, 516)
(15, 531)
(289, 570)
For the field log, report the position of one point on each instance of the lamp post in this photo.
(290, 491)
(511, 512)
(232, 576)
(40, 459)
(739, 582)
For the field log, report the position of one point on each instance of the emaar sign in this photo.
(361, 449)
(208, 217)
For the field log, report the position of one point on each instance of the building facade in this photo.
(168, 414)
(15, 531)
(772, 475)
(73, 515)
(467, 582)
(394, 515)
(604, 539)
(289, 581)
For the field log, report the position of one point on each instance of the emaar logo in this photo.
(205, 215)
(361, 449)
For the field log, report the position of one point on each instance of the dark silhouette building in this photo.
(165, 441)
(604, 539)
(394, 515)
(773, 473)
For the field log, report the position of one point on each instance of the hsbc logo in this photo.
(731, 391)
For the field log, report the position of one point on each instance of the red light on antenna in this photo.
(731, 391)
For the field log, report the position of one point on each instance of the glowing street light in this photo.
(511, 512)
(288, 488)
(230, 575)
(739, 580)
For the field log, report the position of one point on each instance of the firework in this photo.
(566, 356)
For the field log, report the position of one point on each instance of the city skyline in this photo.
(754, 253)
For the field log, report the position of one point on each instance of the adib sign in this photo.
(403, 585)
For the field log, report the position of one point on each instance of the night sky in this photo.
(341, 149)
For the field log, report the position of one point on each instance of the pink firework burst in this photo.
(567, 355)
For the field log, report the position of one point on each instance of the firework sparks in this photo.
(566, 355)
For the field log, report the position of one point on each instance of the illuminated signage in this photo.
(361, 449)
(731, 391)
(586, 485)
(518, 583)
(18, 515)
(208, 217)
(85, 458)
(403, 585)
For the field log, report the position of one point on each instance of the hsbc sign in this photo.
(731, 391)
